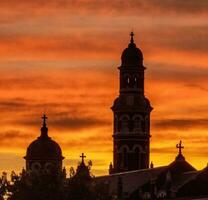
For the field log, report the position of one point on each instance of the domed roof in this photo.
(44, 148)
(132, 56)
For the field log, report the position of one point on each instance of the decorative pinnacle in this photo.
(44, 120)
(180, 147)
(132, 37)
(151, 165)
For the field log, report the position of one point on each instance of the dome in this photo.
(44, 148)
(132, 56)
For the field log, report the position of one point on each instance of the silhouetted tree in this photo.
(37, 186)
(71, 172)
(42, 185)
(79, 185)
(83, 185)
(3, 185)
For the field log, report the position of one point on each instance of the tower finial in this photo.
(44, 120)
(132, 37)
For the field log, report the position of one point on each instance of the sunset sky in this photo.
(61, 57)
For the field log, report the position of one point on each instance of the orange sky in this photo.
(61, 57)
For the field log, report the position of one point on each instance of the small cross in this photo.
(132, 37)
(44, 119)
(180, 147)
(83, 157)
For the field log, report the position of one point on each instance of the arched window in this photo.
(36, 166)
(137, 119)
(124, 120)
(124, 150)
(146, 128)
(128, 80)
(49, 167)
(135, 82)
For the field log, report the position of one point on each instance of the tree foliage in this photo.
(40, 185)
(36, 186)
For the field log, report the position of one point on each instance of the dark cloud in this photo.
(178, 6)
(45, 46)
(13, 135)
(16, 103)
(73, 123)
(191, 150)
(188, 38)
(197, 86)
(94, 142)
(62, 115)
(161, 150)
(66, 122)
(15, 139)
(69, 78)
(132, 7)
(101, 44)
(57, 110)
(23, 82)
(177, 73)
(180, 124)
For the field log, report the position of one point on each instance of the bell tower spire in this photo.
(131, 109)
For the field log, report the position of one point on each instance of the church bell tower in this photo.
(131, 109)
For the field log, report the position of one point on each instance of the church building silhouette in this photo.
(131, 176)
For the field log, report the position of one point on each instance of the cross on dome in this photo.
(44, 119)
(180, 147)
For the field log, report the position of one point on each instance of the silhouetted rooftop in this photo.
(44, 148)
(132, 56)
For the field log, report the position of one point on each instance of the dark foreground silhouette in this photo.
(51, 185)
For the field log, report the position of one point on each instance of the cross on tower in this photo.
(83, 157)
(44, 119)
(180, 147)
(132, 37)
